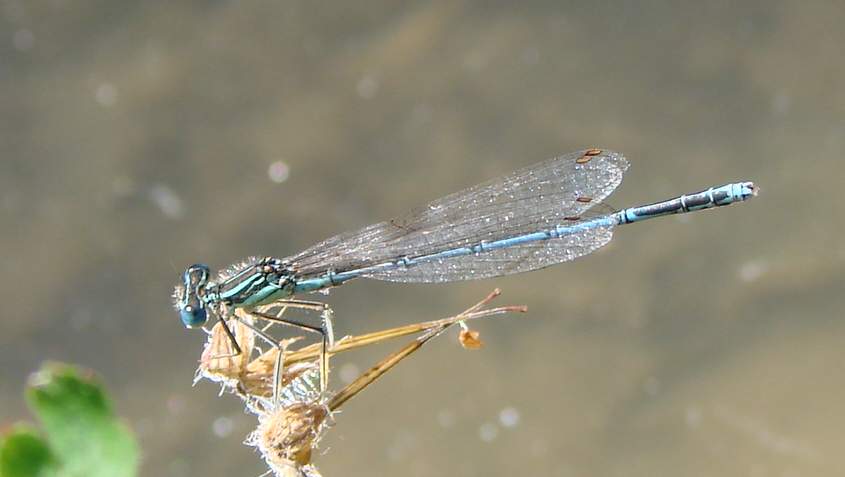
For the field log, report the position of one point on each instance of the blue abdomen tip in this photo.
(747, 190)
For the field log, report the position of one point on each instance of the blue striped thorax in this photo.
(263, 281)
(252, 283)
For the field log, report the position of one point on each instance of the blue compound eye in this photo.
(193, 316)
(191, 308)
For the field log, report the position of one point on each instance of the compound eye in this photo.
(193, 316)
(196, 276)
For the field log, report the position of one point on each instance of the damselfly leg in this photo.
(325, 330)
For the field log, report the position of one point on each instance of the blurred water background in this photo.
(137, 138)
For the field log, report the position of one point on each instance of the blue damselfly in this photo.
(545, 214)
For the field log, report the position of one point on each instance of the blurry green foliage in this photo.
(81, 435)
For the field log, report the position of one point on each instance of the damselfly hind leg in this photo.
(325, 330)
(280, 346)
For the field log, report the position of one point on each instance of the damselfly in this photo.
(541, 215)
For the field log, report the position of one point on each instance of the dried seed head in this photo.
(286, 437)
(470, 339)
(218, 362)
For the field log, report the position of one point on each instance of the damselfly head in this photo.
(188, 296)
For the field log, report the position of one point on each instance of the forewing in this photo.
(531, 199)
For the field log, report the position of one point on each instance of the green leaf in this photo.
(81, 429)
(23, 453)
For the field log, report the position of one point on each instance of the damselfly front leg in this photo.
(236, 348)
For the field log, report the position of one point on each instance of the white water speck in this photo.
(367, 86)
(348, 372)
(752, 271)
(106, 95)
(167, 201)
(509, 417)
(278, 172)
(222, 426)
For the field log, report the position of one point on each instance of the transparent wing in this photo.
(518, 259)
(531, 199)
